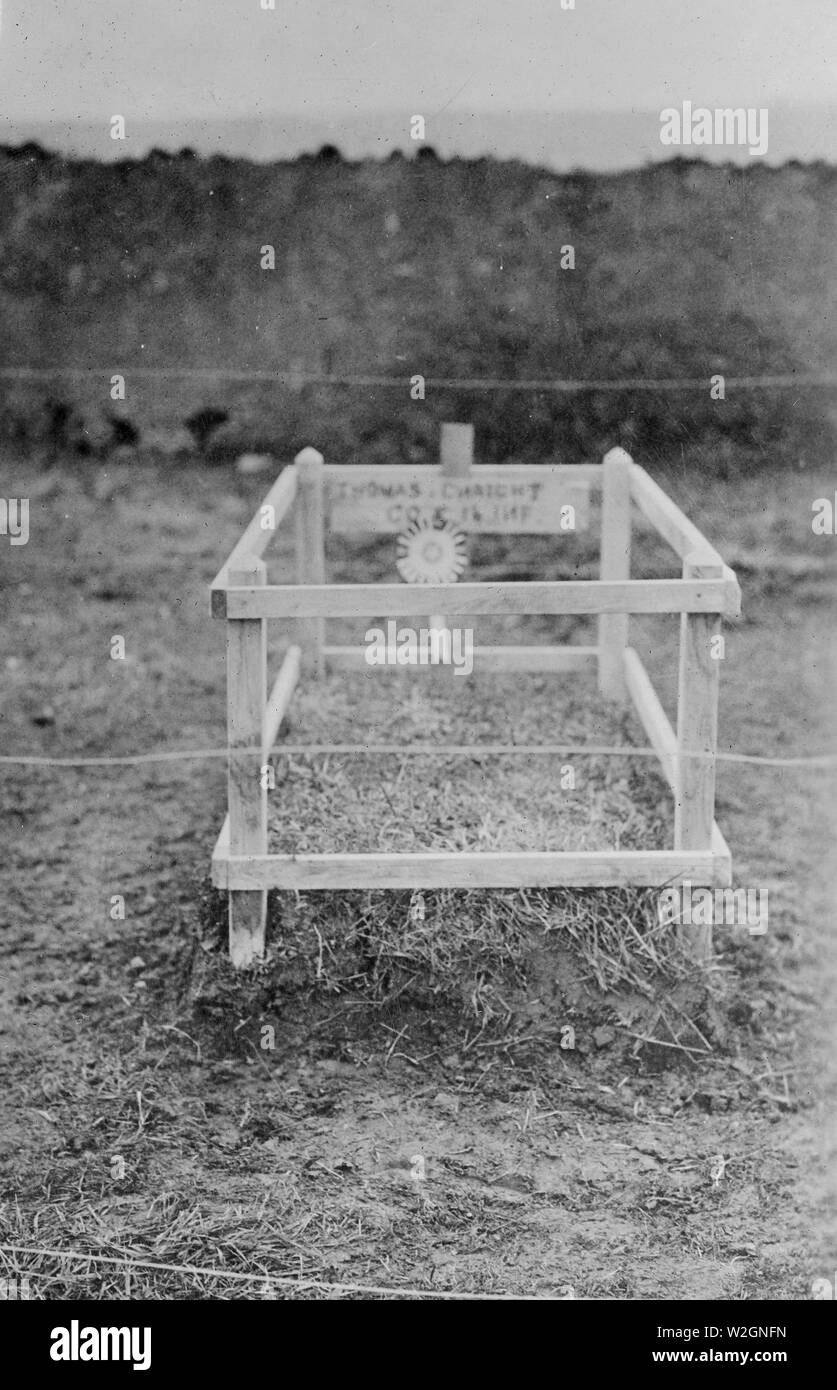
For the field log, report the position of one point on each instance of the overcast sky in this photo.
(64, 59)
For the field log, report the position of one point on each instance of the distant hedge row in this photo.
(401, 268)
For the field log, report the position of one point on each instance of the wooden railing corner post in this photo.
(247, 788)
(615, 564)
(697, 734)
(309, 514)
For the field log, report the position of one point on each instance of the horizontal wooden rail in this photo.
(582, 869)
(485, 658)
(280, 696)
(652, 716)
(666, 518)
(257, 536)
(465, 600)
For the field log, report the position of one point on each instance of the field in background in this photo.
(681, 1149)
(449, 270)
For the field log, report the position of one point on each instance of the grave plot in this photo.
(431, 511)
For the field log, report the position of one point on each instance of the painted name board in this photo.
(503, 499)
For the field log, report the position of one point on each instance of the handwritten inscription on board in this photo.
(532, 500)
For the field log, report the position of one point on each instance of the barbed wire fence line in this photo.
(464, 750)
(291, 378)
(303, 1283)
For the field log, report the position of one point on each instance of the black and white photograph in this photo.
(418, 733)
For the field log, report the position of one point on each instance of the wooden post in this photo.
(697, 736)
(310, 550)
(456, 452)
(247, 798)
(456, 455)
(615, 564)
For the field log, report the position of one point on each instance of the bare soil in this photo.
(327, 1118)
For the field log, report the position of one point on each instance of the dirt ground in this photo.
(436, 1135)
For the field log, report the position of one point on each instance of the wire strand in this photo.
(460, 750)
(564, 385)
(282, 1281)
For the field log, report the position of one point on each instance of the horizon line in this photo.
(331, 114)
